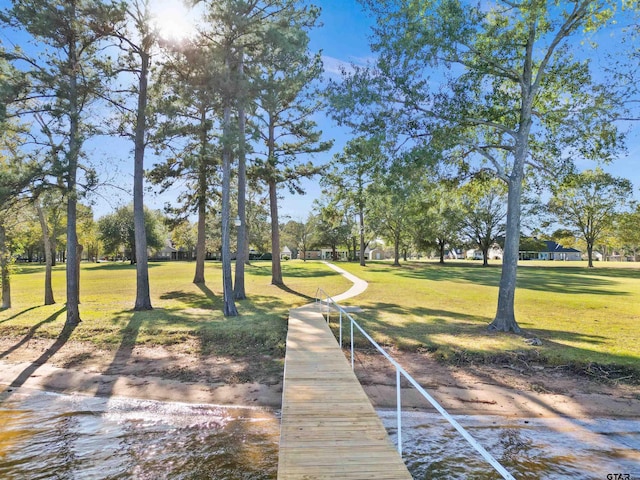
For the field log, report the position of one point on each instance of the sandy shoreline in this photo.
(166, 374)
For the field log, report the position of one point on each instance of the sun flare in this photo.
(173, 20)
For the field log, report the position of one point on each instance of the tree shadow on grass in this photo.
(207, 291)
(114, 266)
(194, 300)
(287, 289)
(62, 339)
(415, 333)
(566, 280)
(16, 315)
(289, 270)
(32, 331)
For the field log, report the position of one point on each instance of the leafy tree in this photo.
(67, 74)
(483, 206)
(589, 202)
(354, 172)
(511, 93)
(258, 223)
(440, 217)
(117, 232)
(391, 206)
(567, 238)
(628, 230)
(330, 226)
(301, 234)
(184, 236)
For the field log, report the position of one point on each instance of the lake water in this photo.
(49, 436)
(528, 448)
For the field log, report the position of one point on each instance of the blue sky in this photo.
(343, 39)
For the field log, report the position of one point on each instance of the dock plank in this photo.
(329, 429)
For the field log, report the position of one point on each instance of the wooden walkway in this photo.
(329, 429)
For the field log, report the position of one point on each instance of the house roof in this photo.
(556, 247)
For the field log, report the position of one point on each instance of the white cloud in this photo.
(336, 66)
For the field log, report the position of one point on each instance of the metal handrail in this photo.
(402, 372)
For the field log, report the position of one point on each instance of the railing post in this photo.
(399, 409)
(352, 363)
(326, 301)
(340, 328)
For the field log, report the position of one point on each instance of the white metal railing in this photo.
(326, 304)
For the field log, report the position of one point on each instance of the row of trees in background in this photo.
(240, 85)
(472, 216)
(416, 213)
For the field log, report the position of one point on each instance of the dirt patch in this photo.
(173, 373)
(500, 389)
(182, 373)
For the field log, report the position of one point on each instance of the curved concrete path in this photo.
(359, 285)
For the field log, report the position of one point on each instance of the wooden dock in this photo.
(329, 429)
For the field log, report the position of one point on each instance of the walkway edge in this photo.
(359, 285)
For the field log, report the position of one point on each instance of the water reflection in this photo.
(528, 448)
(44, 435)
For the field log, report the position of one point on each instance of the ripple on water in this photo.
(45, 435)
(528, 448)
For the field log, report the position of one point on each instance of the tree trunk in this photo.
(48, 289)
(79, 249)
(276, 267)
(229, 308)
(72, 273)
(441, 248)
(241, 256)
(485, 260)
(198, 278)
(505, 320)
(396, 251)
(362, 246)
(4, 268)
(590, 254)
(143, 299)
(54, 249)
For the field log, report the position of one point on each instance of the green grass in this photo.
(183, 312)
(583, 316)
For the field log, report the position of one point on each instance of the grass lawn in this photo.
(182, 311)
(583, 316)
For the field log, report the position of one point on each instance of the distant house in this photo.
(380, 253)
(474, 254)
(323, 254)
(454, 254)
(309, 255)
(549, 250)
(494, 253)
(327, 254)
(168, 252)
(285, 254)
(555, 251)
